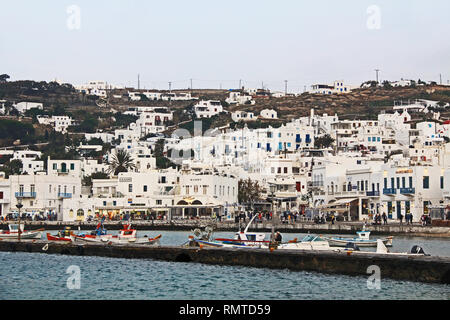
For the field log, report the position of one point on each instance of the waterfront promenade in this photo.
(264, 226)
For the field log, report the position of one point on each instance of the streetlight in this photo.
(19, 205)
(272, 196)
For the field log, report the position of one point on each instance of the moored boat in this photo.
(65, 236)
(362, 240)
(13, 232)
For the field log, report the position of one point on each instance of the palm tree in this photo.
(121, 161)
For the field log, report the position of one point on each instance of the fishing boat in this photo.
(100, 234)
(127, 235)
(242, 239)
(65, 235)
(362, 240)
(13, 232)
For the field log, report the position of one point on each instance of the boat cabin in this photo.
(249, 236)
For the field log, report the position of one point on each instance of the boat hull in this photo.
(342, 242)
(23, 235)
(55, 238)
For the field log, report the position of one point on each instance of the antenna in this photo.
(377, 70)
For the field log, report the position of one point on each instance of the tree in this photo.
(249, 192)
(4, 77)
(12, 167)
(121, 161)
(87, 180)
(323, 142)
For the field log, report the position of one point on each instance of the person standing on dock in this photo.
(384, 218)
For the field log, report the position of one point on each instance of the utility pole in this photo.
(191, 84)
(240, 84)
(440, 78)
(377, 70)
(170, 87)
(139, 83)
(285, 87)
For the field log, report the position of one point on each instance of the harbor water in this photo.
(40, 276)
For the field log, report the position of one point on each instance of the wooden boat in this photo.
(363, 240)
(65, 236)
(13, 232)
(245, 238)
(126, 236)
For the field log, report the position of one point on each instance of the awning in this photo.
(343, 201)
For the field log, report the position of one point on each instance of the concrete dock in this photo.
(419, 268)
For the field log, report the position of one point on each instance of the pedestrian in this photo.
(401, 218)
(384, 218)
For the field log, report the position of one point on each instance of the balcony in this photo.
(64, 195)
(390, 191)
(407, 190)
(25, 194)
(61, 171)
(373, 193)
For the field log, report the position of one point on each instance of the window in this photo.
(426, 182)
(158, 202)
(410, 182)
(385, 183)
(72, 166)
(1, 194)
(145, 188)
(398, 182)
(403, 182)
(442, 182)
(130, 188)
(55, 166)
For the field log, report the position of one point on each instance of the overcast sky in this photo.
(217, 43)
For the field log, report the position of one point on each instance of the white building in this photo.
(268, 114)
(22, 107)
(208, 108)
(337, 87)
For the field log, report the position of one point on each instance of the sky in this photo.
(219, 43)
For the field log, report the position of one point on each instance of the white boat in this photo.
(13, 232)
(383, 250)
(363, 240)
(309, 242)
(242, 239)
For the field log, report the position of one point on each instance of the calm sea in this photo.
(40, 276)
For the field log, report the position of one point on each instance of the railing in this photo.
(373, 193)
(63, 171)
(25, 194)
(389, 191)
(407, 190)
(64, 195)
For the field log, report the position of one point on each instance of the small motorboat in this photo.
(100, 234)
(65, 235)
(127, 235)
(383, 250)
(309, 242)
(363, 240)
(13, 232)
(245, 238)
